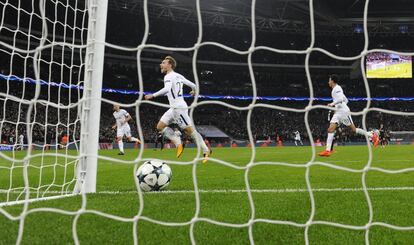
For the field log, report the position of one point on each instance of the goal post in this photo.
(92, 93)
(57, 171)
(60, 159)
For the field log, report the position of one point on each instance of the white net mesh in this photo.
(40, 96)
(49, 45)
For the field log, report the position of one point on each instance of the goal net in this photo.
(404, 137)
(42, 54)
(50, 97)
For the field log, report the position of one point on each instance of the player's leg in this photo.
(198, 139)
(159, 139)
(167, 132)
(119, 136)
(122, 131)
(296, 142)
(372, 136)
(331, 133)
(382, 140)
(127, 133)
(185, 123)
(301, 142)
(347, 121)
(330, 138)
(360, 131)
(133, 139)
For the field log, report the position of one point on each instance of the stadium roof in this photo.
(281, 15)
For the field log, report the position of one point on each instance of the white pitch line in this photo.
(223, 191)
(288, 190)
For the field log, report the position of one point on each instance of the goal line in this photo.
(226, 191)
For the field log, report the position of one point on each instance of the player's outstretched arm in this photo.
(128, 117)
(160, 92)
(191, 85)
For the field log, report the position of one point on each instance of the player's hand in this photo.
(149, 96)
(331, 104)
(113, 127)
(192, 93)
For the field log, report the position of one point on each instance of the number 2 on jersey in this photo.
(179, 89)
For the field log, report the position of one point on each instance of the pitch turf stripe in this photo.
(358, 161)
(405, 188)
(402, 188)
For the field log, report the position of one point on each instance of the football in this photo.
(154, 175)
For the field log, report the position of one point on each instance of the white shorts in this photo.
(178, 116)
(341, 117)
(123, 130)
(297, 138)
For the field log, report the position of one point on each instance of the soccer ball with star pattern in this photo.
(154, 175)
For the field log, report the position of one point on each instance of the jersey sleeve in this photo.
(189, 84)
(163, 91)
(125, 113)
(338, 96)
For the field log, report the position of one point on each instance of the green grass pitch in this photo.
(338, 198)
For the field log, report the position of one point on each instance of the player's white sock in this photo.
(296, 143)
(329, 141)
(169, 133)
(363, 132)
(199, 140)
(121, 146)
(133, 139)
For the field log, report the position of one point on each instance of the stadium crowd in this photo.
(219, 73)
(48, 124)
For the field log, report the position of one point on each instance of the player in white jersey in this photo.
(178, 112)
(298, 138)
(177, 133)
(122, 128)
(342, 116)
(21, 142)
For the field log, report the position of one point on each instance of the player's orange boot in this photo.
(325, 153)
(180, 150)
(375, 139)
(206, 155)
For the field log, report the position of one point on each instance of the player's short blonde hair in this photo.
(172, 61)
